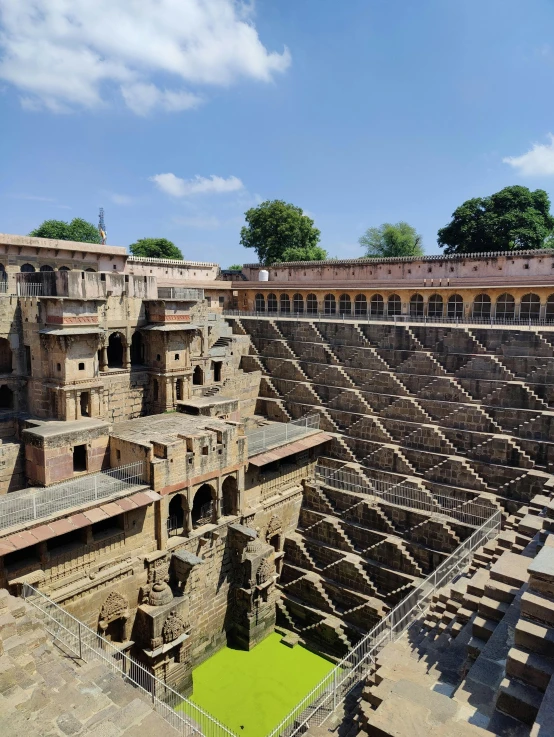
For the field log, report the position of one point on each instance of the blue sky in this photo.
(178, 115)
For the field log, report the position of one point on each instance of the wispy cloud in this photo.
(177, 187)
(121, 199)
(537, 162)
(64, 55)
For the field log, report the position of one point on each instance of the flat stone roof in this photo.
(165, 428)
(27, 240)
(52, 428)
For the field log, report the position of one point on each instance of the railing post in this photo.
(95, 488)
(80, 642)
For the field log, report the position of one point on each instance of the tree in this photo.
(235, 267)
(155, 248)
(279, 231)
(389, 240)
(513, 219)
(77, 230)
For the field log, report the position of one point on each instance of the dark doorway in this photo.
(5, 357)
(6, 397)
(79, 458)
(115, 351)
(198, 375)
(137, 350)
(274, 542)
(85, 404)
(216, 366)
(203, 506)
(179, 389)
(229, 496)
(175, 518)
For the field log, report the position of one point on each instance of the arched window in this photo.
(455, 306)
(93, 271)
(298, 303)
(6, 397)
(550, 307)
(259, 303)
(176, 516)
(394, 305)
(377, 305)
(530, 307)
(272, 303)
(229, 496)
(311, 304)
(137, 350)
(360, 304)
(285, 302)
(345, 305)
(202, 506)
(416, 305)
(482, 306)
(198, 376)
(115, 350)
(5, 356)
(435, 306)
(505, 306)
(329, 304)
(46, 268)
(27, 268)
(64, 268)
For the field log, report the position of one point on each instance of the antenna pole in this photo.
(102, 226)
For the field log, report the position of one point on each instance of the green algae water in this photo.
(250, 692)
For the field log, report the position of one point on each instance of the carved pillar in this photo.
(240, 490)
(217, 501)
(188, 514)
(127, 356)
(104, 358)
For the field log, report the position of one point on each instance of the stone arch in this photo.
(5, 356)
(394, 305)
(272, 305)
(229, 496)
(482, 306)
(550, 307)
(198, 376)
(64, 268)
(455, 306)
(116, 350)
(202, 511)
(46, 267)
(377, 305)
(298, 303)
(113, 618)
(259, 303)
(311, 304)
(505, 307)
(173, 627)
(530, 308)
(284, 302)
(27, 268)
(175, 515)
(329, 304)
(360, 304)
(137, 349)
(345, 304)
(416, 305)
(435, 308)
(264, 572)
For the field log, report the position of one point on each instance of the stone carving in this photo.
(114, 607)
(265, 571)
(174, 627)
(274, 527)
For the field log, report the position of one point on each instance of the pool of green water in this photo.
(250, 692)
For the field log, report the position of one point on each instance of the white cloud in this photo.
(121, 199)
(537, 162)
(177, 187)
(64, 54)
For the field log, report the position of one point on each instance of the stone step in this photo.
(471, 602)
(538, 608)
(483, 628)
(501, 591)
(535, 637)
(492, 609)
(475, 647)
(476, 584)
(531, 668)
(511, 568)
(519, 700)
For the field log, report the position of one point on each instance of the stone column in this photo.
(161, 512)
(104, 358)
(240, 490)
(127, 356)
(217, 501)
(188, 515)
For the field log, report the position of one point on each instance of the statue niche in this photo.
(114, 618)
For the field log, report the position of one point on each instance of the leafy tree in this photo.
(388, 240)
(155, 248)
(279, 231)
(77, 230)
(235, 267)
(513, 219)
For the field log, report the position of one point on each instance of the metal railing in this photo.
(29, 289)
(32, 504)
(403, 318)
(187, 718)
(469, 511)
(321, 702)
(185, 293)
(280, 433)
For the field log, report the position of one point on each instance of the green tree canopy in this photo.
(279, 231)
(235, 267)
(513, 219)
(155, 248)
(400, 239)
(77, 230)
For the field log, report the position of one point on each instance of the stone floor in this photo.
(45, 693)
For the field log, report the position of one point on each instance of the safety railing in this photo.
(28, 289)
(33, 504)
(402, 318)
(470, 511)
(187, 718)
(321, 702)
(280, 433)
(185, 293)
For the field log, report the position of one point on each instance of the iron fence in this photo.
(30, 289)
(469, 511)
(396, 319)
(187, 718)
(185, 293)
(32, 504)
(321, 702)
(279, 433)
